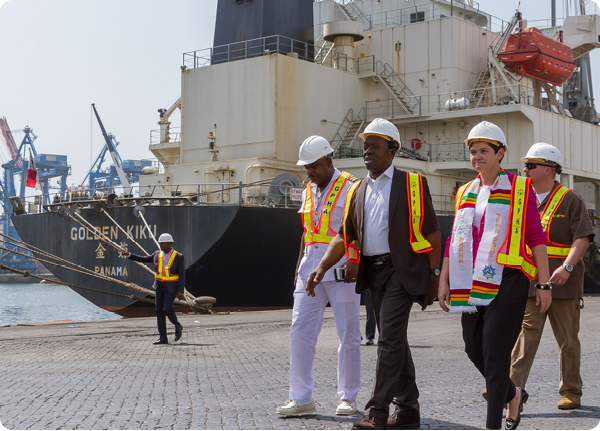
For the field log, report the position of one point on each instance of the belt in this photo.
(378, 260)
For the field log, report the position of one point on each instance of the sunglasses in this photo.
(530, 165)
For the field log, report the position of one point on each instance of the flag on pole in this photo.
(33, 179)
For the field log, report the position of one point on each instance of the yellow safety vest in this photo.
(319, 233)
(517, 256)
(167, 269)
(415, 203)
(554, 249)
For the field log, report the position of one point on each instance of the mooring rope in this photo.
(123, 230)
(56, 281)
(148, 227)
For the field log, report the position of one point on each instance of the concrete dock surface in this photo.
(231, 371)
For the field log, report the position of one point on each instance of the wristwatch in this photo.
(435, 271)
(544, 286)
(568, 267)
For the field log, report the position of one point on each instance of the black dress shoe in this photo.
(406, 420)
(370, 342)
(512, 424)
(178, 332)
(370, 423)
(161, 342)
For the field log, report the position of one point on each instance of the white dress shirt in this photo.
(315, 252)
(376, 219)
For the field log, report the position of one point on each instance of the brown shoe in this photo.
(406, 420)
(370, 423)
(569, 401)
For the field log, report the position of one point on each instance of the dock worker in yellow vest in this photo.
(169, 284)
(569, 231)
(321, 214)
(391, 230)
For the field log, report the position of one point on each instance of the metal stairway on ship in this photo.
(479, 89)
(397, 88)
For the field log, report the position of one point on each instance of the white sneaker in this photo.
(296, 408)
(346, 407)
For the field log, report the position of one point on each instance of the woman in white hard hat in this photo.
(495, 217)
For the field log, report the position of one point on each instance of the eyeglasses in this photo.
(530, 165)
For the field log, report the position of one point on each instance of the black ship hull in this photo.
(243, 256)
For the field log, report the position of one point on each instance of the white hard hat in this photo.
(312, 149)
(543, 152)
(165, 237)
(487, 132)
(383, 128)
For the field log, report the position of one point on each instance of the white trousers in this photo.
(307, 321)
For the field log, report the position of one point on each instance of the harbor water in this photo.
(24, 303)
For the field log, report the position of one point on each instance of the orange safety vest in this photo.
(322, 231)
(166, 276)
(517, 256)
(352, 252)
(415, 205)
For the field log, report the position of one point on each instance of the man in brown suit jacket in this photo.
(395, 271)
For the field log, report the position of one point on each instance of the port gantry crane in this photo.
(48, 166)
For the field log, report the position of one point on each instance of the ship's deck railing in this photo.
(429, 104)
(418, 150)
(264, 46)
(261, 193)
(174, 135)
(209, 194)
(465, 10)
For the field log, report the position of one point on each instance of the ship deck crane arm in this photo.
(113, 154)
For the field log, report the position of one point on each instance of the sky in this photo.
(57, 57)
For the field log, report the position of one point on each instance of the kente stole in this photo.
(472, 285)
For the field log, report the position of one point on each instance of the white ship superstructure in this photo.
(429, 66)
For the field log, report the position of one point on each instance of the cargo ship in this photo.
(226, 184)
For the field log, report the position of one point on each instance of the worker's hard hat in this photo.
(312, 149)
(383, 128)
(165, 237)
(487, 132)
(543, 152)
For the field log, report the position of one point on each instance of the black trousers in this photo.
(371, 321)
(490, 335)
(164, 308)
(395, 372)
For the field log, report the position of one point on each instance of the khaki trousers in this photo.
(564, 319)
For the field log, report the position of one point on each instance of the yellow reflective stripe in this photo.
(160, 266)
(558, 251)
(552, 206)
(310, 236)
(514, 258)
(415, 199)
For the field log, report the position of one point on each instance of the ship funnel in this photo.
(343, 34)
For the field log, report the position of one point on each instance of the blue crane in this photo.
(49, 166)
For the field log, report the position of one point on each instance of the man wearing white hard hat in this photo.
(169, 283)
(569, 231)
(391, 230)
(321, 212)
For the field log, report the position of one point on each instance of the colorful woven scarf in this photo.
(477, 284)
